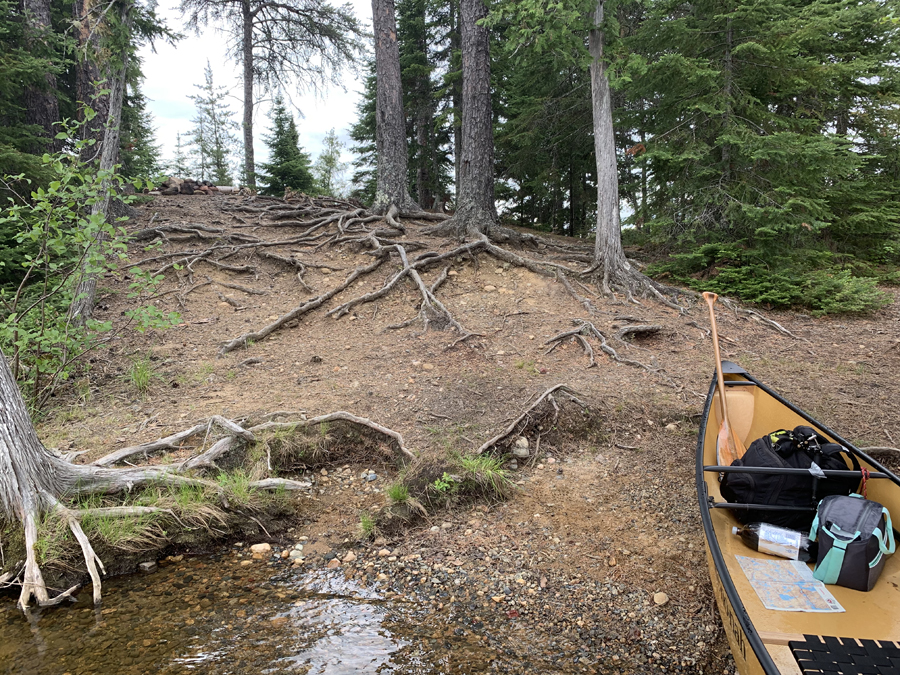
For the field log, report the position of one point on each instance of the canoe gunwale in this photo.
(712, 545)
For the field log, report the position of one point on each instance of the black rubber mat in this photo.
(846, 656)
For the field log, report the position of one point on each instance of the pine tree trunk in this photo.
(85, 294)
(390, 122)
(41, 104)
(608, 253)
(247, 58)
(476, 213)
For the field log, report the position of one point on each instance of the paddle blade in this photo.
(728, 445)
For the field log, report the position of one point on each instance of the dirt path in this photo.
(609, 499)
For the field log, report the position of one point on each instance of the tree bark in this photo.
(608, 253)
(247, 59)
(390, 122)
(85, 294)
(87, 75)
(476, 213)
(41, 104)
(456, 46)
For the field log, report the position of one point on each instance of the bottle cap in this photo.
(735, 530)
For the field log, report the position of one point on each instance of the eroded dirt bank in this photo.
(604, 519)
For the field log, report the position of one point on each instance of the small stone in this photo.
(427, 366)
(381, 541)
(324, 472)
(260, 548)
(452, 273)
(382, 576)
(660, 598)
(298, 547)
(372, 476)
(148, 567)
(350, 557)
(498, 598)
(285, 553)
(334, 562)
(295, 555)
(611, 562)
(246, 563)
(513, 465)
(278, 621)
(520, 449)
(489, 288)
(383, 553)
(672, 427)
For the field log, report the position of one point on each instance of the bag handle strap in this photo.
(886, 541)
(829, 569)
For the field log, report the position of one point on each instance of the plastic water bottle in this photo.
(774, 540)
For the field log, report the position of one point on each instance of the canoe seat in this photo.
(846, 656)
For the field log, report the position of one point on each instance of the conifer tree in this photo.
(180, 165)
(364, 179)
(300, 42)
(329, 169)
(139, 154)
(288, 165)
(762, 120)
(213, 136)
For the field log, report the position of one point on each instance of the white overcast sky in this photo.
(173, 70)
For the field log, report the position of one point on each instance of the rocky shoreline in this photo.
(483, 573)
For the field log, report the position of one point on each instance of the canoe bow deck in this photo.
(761, 639)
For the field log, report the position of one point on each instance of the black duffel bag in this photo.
(797, 449)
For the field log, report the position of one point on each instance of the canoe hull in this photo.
(758, 637)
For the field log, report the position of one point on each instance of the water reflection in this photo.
(210, 615)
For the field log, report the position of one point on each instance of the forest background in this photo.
(756, 142)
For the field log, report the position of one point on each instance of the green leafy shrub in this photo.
(805, 278)
(58, 242)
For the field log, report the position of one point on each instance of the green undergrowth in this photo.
(190, 517)
(818, 281)
(432, 484)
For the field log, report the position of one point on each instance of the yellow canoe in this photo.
(865, 637)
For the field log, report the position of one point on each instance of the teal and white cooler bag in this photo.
(854, 536)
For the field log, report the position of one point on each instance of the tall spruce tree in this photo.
(288, 165)
(363, 183)
(139, 154)
(213, 135)
(761, 120)
(180, 165)
(545, 157)
(427, 136)
(329, 169)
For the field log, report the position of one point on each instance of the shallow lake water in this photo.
(210, 615)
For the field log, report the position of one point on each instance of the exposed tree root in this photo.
(882, 451)
(585, 329)
(33, 480)
(318, 301)
(625, 278)
(530, 418)
(756, 316)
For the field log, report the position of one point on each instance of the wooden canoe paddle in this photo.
(728, 446)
